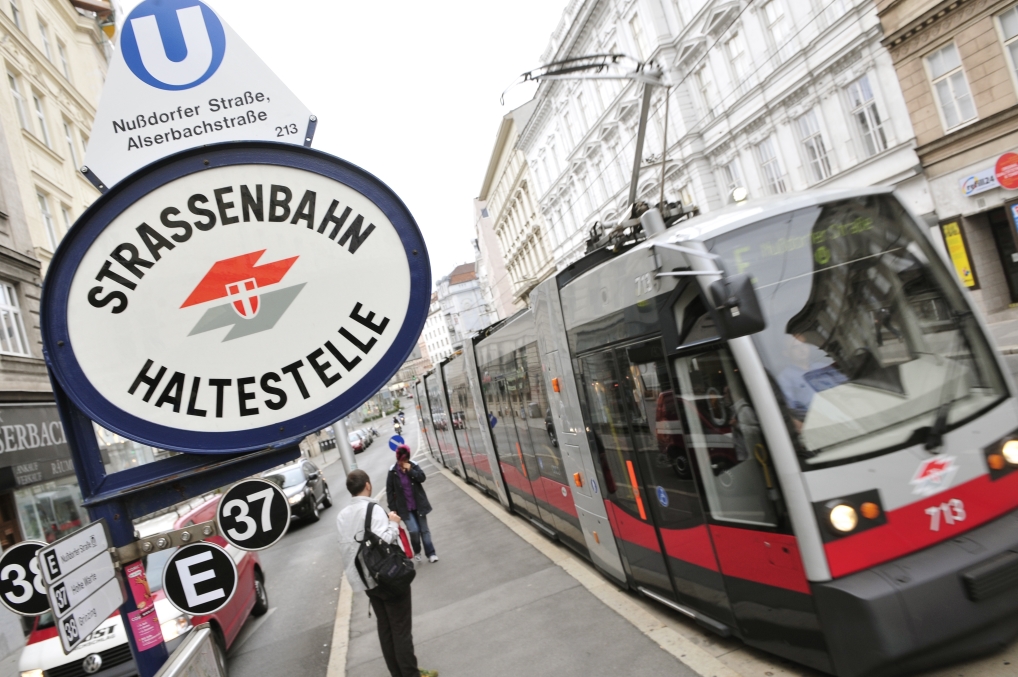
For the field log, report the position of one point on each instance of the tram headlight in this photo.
(844, 518)
(1010, 451)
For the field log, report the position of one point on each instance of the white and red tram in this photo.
(782, 419)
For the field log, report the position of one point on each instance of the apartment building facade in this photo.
(957, 61)
(765, 97)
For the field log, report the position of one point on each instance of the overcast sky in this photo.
(407, 90)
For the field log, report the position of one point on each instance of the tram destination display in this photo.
(22, 588)
(253, 514)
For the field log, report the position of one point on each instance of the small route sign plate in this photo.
(235, 297)
(253, 514)
(200, 578)
(22, 588)
(81, 582)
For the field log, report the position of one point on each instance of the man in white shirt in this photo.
(395, 616)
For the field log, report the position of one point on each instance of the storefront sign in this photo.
(183, 78)
(958, 251)
(1007, 171)
(235, 297)
(32, 445)
(980, 182)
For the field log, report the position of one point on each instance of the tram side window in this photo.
(539, 419)
(726, 439)
(609, 426)
(659, 436)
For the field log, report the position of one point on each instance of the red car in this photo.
(105, 652)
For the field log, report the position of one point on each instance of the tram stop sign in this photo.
(22, 589)
(200, 578)
(235, 297)
(253, 514)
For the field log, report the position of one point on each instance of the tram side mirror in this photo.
(737, 306)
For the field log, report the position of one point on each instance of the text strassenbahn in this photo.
(220, 207)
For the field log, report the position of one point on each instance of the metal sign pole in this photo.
(343, 444)
(80, 434)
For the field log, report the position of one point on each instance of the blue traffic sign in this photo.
(395, 441)
(662, 497)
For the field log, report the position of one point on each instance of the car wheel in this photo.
(261, 604)
(327, 497)
(316, 513)
(219, 650)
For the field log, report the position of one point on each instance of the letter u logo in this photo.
(173, 44)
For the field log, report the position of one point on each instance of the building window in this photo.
(13, 339)
(19, 101)
(708, 92)
(739, 61)
(69, 136)
(44, 33)
(41, 116)
(567, 129)
(638, 38)
(779, 27)
(770, 167)
(1009, 31)
(866, 116)
(65, 212)
(64, 65)
(952, 89)
(16, 14)
(733, 177)
(581, 105)
(813, 144)
(47, 220)
(84, 142)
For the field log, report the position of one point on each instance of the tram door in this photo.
(757, 552)
(623, 439)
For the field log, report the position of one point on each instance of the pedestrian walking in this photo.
(395, 615)
(404, 492)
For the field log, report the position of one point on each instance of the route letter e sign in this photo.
(234, 297)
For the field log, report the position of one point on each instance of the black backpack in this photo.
(384, 563)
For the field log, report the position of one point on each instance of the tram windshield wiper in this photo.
(933, 435)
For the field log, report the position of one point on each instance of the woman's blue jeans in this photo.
(417, 524)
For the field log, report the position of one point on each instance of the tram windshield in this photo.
(869, 344)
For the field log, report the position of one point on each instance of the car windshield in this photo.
(290, 477)
(354, 437)
(868, 340)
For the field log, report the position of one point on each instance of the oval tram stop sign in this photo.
(234, 297)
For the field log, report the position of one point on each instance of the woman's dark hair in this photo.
(356, 481)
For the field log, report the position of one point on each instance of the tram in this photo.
(782, 419)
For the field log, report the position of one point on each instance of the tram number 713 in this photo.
(953, 511)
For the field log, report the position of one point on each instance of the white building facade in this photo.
(436, 335)
(519, 224)
(761, 98)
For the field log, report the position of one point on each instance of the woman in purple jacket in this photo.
(405, 495)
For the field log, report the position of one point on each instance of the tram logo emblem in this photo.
(251, 307)
(934, 475)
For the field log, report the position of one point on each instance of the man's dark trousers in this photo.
(395, 632)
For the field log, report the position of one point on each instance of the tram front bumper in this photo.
(951, 601)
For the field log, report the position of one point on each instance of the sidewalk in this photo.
(495, 605)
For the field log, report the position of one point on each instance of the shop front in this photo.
(977, 227)
(39, 496)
